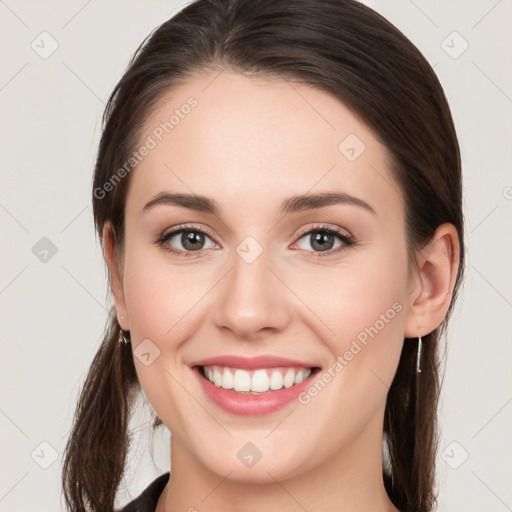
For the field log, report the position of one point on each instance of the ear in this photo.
(432, 282)
(115, 275)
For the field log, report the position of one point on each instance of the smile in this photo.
(252, 386)
(256, 381)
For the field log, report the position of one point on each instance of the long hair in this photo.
(350, 51)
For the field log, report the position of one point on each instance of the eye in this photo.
(322, 239)
(190, 238)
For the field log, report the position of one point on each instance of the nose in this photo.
(253, 301)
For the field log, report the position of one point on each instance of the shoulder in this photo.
(148, 498)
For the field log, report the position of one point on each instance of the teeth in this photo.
(260, 381)
(217, 378)
(242, 381)
(299, 377)
(276, 380)
(255, 381)
(228, 381)
(289, 379)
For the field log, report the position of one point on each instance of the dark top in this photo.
(148, 498)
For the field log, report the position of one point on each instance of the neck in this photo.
(349, 479)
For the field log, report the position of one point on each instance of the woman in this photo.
(278, 197)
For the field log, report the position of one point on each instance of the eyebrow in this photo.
(292, 204)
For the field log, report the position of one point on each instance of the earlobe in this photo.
(433, 283)
(115, 274)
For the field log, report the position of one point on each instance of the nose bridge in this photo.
(251, 299)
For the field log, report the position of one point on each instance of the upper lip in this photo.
(251, 363)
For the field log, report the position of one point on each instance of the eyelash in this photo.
(345, 238)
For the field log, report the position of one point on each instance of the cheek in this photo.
(160, 296)
(363, 293)
(165, 305)
(161, 302)
(379, 309)
(364, 309)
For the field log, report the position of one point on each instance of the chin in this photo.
(245, 463)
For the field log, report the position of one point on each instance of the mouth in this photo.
(252, 386)
(256, 381)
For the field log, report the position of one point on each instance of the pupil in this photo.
(193, 238)
(323, 239)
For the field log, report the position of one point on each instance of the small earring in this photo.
(123, 340)
(418, 356)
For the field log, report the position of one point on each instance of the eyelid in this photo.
(320, 227)
(185, 227)
(344, 235)
(171, 232)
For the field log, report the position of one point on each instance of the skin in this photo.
(249, 144)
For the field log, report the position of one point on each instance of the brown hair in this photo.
(348, 50)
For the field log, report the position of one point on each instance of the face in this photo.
(322, 284)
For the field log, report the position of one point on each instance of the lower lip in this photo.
(251, 405)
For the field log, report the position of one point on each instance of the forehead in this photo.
(237, 139)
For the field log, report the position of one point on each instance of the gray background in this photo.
(54, 306)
